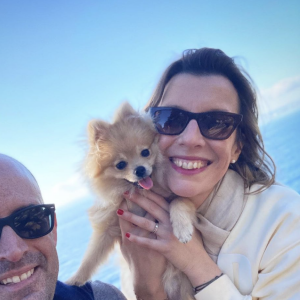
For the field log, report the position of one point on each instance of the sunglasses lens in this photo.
(217, 126)
(170, 121)
(34, 222)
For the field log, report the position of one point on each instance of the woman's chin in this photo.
(185, 189)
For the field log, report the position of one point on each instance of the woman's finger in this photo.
(124, 206)
(150, 206)
(129, 226)
(145, 242)
(159, 200)
(144, 223)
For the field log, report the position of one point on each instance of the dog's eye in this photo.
(145, 153)
(121, 165)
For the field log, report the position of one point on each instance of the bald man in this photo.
(28, 236)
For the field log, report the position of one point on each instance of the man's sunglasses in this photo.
(31, 222)
(215, 125)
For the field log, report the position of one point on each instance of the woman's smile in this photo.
(189, 165)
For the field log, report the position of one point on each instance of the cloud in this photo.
(71, 190)
(282, 98)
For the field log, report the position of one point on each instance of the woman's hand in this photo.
(190, 258)
(146, 265)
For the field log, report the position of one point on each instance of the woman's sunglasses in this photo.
(31, 222)
(215, 125)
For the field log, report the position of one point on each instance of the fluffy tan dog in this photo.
(124, 155)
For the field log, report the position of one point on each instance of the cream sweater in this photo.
(260, 258)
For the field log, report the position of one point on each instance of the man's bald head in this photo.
(15, 179)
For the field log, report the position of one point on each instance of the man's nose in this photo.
(12, 247)
(191, 135)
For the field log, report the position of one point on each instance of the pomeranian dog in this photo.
(122, 156)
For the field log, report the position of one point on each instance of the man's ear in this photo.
(97, 131)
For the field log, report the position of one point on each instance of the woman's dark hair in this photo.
(254, 164)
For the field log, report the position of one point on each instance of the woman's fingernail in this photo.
(127, 235)
(120, 212)
(126, 193)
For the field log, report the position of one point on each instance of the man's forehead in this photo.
(18, 187)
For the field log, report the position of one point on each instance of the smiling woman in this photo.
(201, 94)
(247, 243)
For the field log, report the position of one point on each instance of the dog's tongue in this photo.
(146, 183)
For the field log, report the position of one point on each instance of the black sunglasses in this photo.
(214, 125)
(31, 222)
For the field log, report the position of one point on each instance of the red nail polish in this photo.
(127, 235)
(120, 212)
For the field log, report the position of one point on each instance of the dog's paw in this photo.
(76, 280)
(183, 233)
(182, 215)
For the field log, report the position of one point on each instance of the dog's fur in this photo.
(124, 140)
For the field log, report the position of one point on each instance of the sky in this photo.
(63, 63)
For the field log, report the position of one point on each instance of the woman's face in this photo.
(198, 94)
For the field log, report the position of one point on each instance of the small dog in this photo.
(122, 156)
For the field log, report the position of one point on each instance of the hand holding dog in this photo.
(147, 266)
(190, 258)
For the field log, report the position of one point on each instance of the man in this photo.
(28, 236)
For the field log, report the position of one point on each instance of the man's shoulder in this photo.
(104, 291)
(64, 292)
(91, 290)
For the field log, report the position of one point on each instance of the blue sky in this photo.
(65, 62)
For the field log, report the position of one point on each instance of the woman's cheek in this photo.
(165, 141)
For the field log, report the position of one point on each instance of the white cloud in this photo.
(283, 87)
(71, 190)
(282, 98)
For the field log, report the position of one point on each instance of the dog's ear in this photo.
(124, 111)
(97, 131)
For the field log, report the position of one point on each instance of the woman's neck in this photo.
(199, 199)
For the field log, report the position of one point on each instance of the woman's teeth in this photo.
(187, 164)
(16, 279)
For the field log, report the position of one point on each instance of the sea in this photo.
(282, 142)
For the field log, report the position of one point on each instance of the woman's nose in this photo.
(191, 135)
(12, 247)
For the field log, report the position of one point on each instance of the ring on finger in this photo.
(154, 231)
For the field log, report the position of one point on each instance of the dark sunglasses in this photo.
(215, 125)
(31, 222)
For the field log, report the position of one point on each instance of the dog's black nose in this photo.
(140, 171)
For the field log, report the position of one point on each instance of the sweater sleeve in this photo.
(223, 289)
(278, 271)
(279, 281)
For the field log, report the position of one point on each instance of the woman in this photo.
(247, 242)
